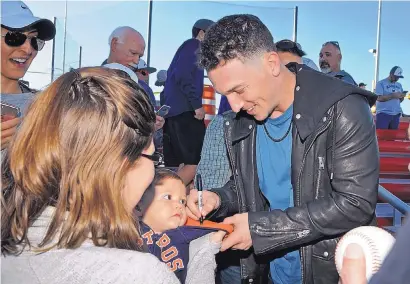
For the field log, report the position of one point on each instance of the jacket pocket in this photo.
(319, 176)
(323, 262)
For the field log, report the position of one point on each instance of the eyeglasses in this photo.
(335, 43)
(157, 158)
(15, 39)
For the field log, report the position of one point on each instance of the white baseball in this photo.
(375, 243)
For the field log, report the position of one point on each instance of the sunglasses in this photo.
(16, 39)
(335, 43)
(144, 73)
(157, 158)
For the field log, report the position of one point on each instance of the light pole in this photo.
(65, 35)
(295, 24)
(377, 54)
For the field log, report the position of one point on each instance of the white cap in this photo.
(118, 66)
(161, 78)
(16, 16)
(397, 71)
(309, 62)
(142, 65)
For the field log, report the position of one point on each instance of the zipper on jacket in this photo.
(320, 131)
(228, 143)
(298, 235)
(319, 175)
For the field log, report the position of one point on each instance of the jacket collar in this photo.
(315, 94)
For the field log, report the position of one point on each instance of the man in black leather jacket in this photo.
(332, 165)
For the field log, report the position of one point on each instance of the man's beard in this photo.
(325, 70)
(325, 67)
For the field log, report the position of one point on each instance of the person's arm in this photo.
(185, 75)
(202, 264)
(214, 164)
(352, 200)
(8, 129)
(391, 96)
(381, 97)
(228, 201)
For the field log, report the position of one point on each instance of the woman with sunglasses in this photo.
(71, 179)
(22, 36)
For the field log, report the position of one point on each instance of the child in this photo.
(163, 218)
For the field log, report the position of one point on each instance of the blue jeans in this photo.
(387, 121)
(229, 275)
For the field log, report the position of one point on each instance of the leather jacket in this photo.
(334, 174)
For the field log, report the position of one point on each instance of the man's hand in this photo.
(240, 238)
(200, 113)
(159, 123)
(210, 201)
(399, 95)
(354, 266)
(8, 129)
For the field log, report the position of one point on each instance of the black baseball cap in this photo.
(203, 24)
(287, 45)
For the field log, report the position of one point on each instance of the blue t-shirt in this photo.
(149, 92)
(386, 87)
(344, 76)
(274, 172)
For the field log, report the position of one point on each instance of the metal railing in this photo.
(394, 208)
(393, 200)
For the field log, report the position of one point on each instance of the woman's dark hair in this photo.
(236, 36)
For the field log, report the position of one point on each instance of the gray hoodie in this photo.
(91, 264)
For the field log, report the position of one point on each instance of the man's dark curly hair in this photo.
(237, 36)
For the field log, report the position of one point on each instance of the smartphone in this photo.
(163, 111)
(9, 112)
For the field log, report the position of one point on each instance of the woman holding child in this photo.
(72, 177)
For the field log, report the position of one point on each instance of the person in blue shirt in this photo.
(184, 128)
(390, 95)
(143, 71)
(330, 60)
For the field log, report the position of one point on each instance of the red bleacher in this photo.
(394, 147)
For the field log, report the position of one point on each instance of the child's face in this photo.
(167, 210)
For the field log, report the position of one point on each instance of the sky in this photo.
(352, 23)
